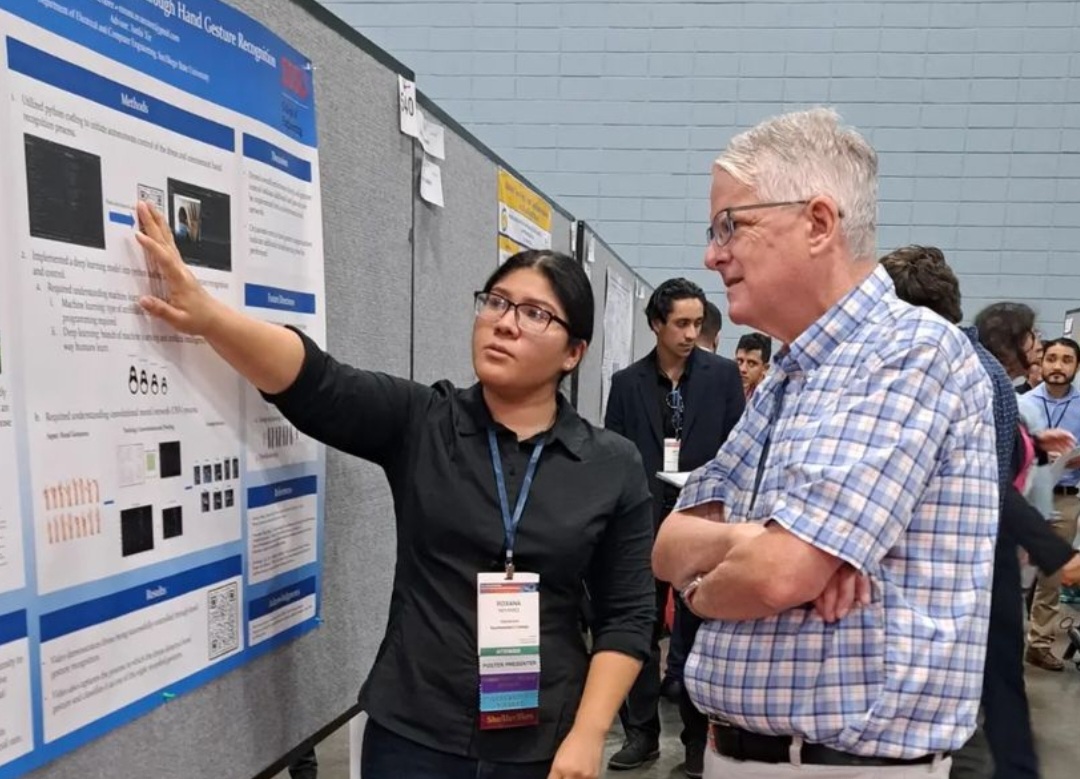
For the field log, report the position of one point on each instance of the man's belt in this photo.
(738, 744)
(1059, 490)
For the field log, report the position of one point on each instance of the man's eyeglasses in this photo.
(722, 230)
(531, 318)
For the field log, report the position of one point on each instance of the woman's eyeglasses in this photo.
(530, 317)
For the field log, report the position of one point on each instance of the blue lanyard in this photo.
(1050, 423)
(510, 521)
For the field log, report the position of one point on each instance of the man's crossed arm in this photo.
(751, 571)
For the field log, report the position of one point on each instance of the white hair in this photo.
(800, 155)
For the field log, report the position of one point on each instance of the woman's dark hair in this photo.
(1004, 329)
(663, 299)
(568, 281)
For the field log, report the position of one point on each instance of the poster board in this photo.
(1071, 326)
(210, 722)
(601, 262)
(618, 341)
(161, 524)
(644, 337)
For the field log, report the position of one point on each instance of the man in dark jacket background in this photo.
(677, 404)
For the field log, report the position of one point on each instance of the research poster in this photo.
(618, 350)
(524, 217)
(159, 522)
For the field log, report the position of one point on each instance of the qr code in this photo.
(223, 616)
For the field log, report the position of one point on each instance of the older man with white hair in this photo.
(840, 545)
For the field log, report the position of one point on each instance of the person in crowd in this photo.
(1055, 403)
(709, 337)
(494, 486)
(923, 278)
(1033, 378)
(1007, 329)
(677, 404)
(863, 473)
(752, 355)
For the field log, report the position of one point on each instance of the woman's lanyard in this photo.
(510, 521)
(1050, 423)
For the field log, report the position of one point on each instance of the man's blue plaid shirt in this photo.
(883, 455)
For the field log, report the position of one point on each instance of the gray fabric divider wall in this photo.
(562, 233)
(563, 229)
(455, 251)
(588, 374)
(240, 724)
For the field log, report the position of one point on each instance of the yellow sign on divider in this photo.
(508, 248)
(524, 218)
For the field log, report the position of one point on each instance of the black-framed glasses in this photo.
(678, 409)
(722, 229)
(530, 317)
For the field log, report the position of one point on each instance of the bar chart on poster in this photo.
(159, 522)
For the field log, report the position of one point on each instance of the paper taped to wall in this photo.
(432, 137)
(431, 183)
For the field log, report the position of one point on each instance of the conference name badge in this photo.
(671, 455)
(508, 648)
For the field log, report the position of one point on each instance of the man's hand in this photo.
(1055, 441)
(765, 574)
(847, 589)
(1070, 574)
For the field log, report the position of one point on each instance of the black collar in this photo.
(687, 370)
(569, 429)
